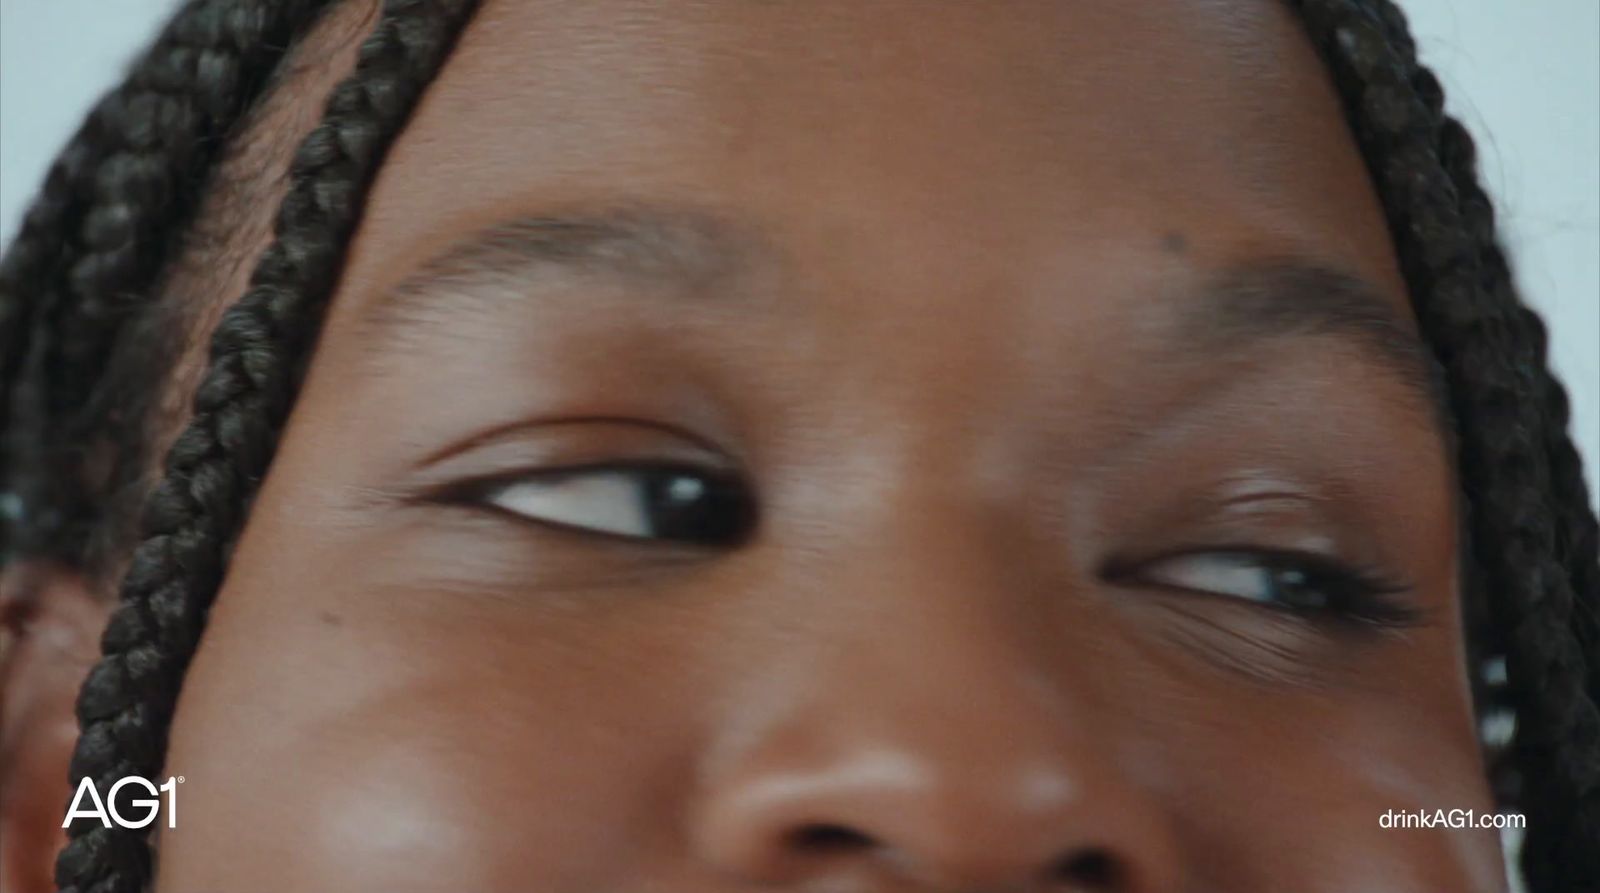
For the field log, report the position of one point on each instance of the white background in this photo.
(1523, 74)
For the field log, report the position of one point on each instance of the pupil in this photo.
(1295, 588)
(698, 509)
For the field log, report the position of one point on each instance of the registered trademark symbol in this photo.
(180, 779)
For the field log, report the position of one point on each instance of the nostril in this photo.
(830, 839)
(1091, 870)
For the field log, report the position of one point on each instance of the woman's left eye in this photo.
(642, 502)
(1308, 585)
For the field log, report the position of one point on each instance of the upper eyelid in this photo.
(551, 426)
(557, 444)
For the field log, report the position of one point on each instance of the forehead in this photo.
(959, 127)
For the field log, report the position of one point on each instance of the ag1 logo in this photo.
(106, 811)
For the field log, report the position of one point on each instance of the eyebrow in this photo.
(692, 250)
(682, 248)
(1291, 297)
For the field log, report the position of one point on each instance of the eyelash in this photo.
(1343, 592)
(1331, 589)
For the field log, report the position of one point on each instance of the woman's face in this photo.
(852, 447)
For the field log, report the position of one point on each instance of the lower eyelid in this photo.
(1268, 646)
(1380, 601)
(537, 539)
(450, 550)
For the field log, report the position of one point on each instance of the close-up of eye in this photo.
(643, 502)
(1304, 584)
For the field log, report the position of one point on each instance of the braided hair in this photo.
(86, 269)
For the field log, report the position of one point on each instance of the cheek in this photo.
(1290, 793)
(382, 753)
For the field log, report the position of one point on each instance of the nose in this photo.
(885, 818)
(929, 744)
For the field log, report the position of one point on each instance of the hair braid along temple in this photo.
(1576, 536)
(95, 240)
(258, 355)
(1577, 531)
(1529, 522)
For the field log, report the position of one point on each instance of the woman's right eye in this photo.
(671, 503)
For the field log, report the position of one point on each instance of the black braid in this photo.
(1577, 532)
(1531, 538)
(93, 244)
(258, 354)
(1531, 532)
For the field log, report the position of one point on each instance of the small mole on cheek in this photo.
(1174, 243)
(330, 618)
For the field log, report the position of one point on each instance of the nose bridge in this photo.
(936, 722)
(943, 654)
